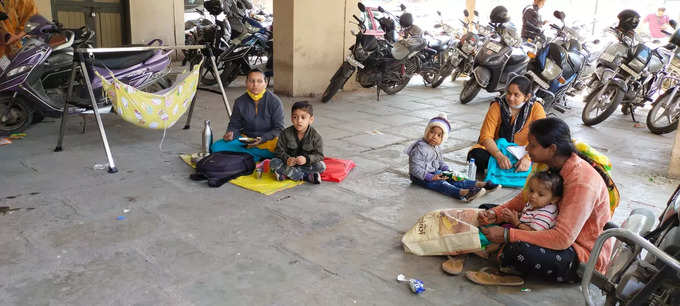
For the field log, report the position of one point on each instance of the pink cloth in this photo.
(584, 210)
(656, 23)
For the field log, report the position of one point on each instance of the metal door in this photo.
(108, 18)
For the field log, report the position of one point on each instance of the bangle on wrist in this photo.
(506, 234)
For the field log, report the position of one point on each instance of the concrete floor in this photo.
(183, 243)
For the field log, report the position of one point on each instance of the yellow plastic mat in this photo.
(266, 185)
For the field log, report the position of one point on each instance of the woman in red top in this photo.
(584, 210)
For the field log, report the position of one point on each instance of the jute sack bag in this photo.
(444, 232)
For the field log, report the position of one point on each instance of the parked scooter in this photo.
(35, 80)
(555, 67)
(209, 31)
(380, 64)
(498, 60)
(644, 268)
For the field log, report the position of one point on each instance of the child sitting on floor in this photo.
(426, 165)
(544, 191)
(299, 151)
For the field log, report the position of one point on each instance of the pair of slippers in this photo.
(486, 276)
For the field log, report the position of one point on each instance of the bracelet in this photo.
(506, 233)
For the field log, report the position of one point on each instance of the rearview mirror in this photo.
(439, 13)
(465, 12)
(361, 6)
(673, 23)
(559, 15)
(476, 13)
(402, 7)
(381, 9)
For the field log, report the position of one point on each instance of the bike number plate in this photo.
(494, 46)
(607, 57)
(354, 62)
(538, 80)
(4, 62)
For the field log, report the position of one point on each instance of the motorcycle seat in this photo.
(517, 59)
(118, 60)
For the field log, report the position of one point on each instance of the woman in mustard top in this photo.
(12, 29)
(509, 117)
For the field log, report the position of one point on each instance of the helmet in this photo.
(628, 20)
(214, 7)
(406, 20)
(499, 14)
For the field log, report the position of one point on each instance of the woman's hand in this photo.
(503, 161)
(301, 160)
(255, 144)
(229, 136)
(523, 164)
(486, 217)
(494, 233)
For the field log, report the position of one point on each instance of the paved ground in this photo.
(183, 243)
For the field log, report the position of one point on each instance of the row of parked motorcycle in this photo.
(619, 70)
(235, 35)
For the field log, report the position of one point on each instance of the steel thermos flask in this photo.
(207, 138)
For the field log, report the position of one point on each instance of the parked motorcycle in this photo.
(389, 67)
(210, 31)
(454, 56)
(252, 48)
(498, 60)
(437, 57)
(665, 113)
(644, 267)
(35, 81)
(555, 67)
(628, 73)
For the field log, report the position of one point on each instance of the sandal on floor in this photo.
(493, 279)
(454, 265)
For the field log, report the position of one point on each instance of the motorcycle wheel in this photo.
(15, 116)
(207, 76)
(393, 87)
(455, 74)
(229, 73)
(607, 103)
(438, 78)
(664, 108)
(337, 82)
(470, 90)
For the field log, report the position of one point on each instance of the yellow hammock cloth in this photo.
(159, 110)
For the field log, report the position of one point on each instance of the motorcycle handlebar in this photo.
(356, 18)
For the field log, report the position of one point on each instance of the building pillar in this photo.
(674, 168)
(311, 39)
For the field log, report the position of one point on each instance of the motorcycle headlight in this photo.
(468, 47)
(636, 64)
(551, 70)
(359, 53)
(18, 70)
(510, 37)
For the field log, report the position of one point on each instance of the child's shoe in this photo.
(279, 177)
(491, 187)
(473, 193)
(314, 178)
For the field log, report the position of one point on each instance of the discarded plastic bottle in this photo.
(472, 169)
(207, 138)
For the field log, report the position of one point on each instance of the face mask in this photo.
(254, 96)
(517, 106)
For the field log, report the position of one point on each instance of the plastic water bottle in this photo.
(472, 169)
(207, 138)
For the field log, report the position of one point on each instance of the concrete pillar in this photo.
(151, 19)
(311, 39)
(674, 168)
(470, 7)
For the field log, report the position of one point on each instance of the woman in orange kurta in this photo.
(12, 29)
(509, 117)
